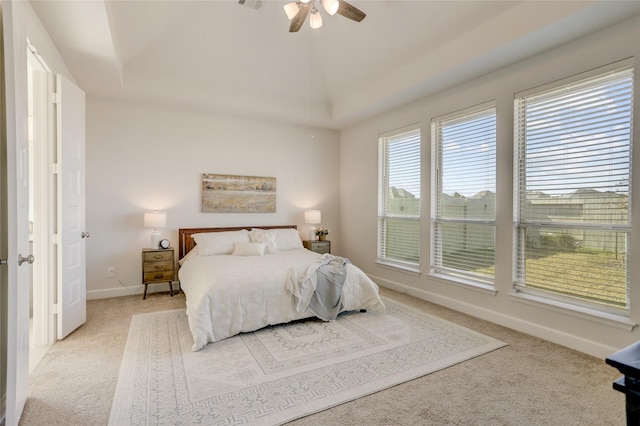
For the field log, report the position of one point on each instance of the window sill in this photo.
(400, 267)
(466, 283)
(582, 312)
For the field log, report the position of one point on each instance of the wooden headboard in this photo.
(186, 242)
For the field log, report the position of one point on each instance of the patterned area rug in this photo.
(279, 373)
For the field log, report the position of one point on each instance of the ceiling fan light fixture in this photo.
(308, 8)
(331, 6)
(315, 20)
(291, 9)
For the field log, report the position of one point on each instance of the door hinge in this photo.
(55, 309)
(55, 168)
(3, 262)
(54, 97)
(55, 239)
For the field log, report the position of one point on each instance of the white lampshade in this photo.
(315, 20)
(155, 220)
(331, 6)
(291, 9)
(312, 217)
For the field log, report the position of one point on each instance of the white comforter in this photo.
(227, 295)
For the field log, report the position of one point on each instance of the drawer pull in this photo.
(158, 256)
(158, 276)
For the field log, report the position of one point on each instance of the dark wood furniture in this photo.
(186, 242)
(627, 361)
(318, 246)
(158, 266)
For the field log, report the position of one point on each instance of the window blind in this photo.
(399, 198)
(464, 193)
(573, 166)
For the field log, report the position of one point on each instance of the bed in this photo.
(241, 279)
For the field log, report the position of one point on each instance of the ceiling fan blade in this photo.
(349, 11)
(298, 20)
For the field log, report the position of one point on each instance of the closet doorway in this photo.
(42, 206)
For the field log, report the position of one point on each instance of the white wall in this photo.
(141, 158)
(358, 195)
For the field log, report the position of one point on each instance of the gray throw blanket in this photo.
(319, 288)
(326, 301)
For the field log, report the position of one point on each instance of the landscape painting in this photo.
(238, 194)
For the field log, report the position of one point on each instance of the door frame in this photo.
(44, 206)
(4, 280)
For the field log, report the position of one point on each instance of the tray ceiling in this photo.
(220, 56)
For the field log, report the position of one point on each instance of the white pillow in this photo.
(249, 249)
(286, 239)
(212, 243)
(263, 236)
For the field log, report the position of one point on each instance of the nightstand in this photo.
(158, 266)
(318, 246)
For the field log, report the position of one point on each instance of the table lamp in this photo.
(312, 217)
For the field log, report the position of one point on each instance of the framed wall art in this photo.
(238, 194)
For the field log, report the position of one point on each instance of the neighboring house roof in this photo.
(400, 193)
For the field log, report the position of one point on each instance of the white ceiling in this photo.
(219, 56)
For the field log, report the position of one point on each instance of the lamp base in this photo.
(312, 233)
(155, 240)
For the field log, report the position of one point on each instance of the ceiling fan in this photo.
(297, 12)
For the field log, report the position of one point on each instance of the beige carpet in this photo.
(279, 373)
(529, 382)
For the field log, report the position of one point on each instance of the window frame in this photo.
(436, 262)
(414, 131)
(521, 224)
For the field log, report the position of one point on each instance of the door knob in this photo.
(29, 259)
(85, 235)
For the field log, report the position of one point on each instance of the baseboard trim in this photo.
(571, 341)
(108, 293)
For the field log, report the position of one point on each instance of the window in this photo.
(464, 194)
(573, 171)
(399, 198)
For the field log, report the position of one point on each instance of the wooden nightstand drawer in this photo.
(157, 266)
(160, 276)
(156, 256)
(318, 246)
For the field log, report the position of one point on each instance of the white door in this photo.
(19, 270)
(72, 291)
